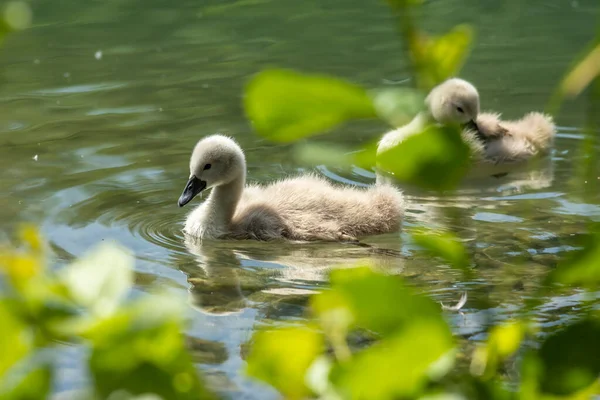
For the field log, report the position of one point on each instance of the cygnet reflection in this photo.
(234, 275)
(474, 194)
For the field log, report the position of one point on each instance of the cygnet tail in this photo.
(539, 130)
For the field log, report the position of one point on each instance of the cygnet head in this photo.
(216, 160)
(454, 101)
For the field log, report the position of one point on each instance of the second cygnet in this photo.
(493, 142)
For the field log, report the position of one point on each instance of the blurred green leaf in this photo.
(31, 384)
(376, 302)
(285, 106)
(14, 15)
(570, 359)
(438, 58)
(503, 341)
(367, 156)
(282, 357)
(398, 366)
(322, 154)
(578, 78)
(416, 342)
(14, 339)
(397, 106)
(140, 349)
(101, 278)
(448, 53)
(436, 159)
(581, 269)
(20, 268)
(582, 74)
(444, 245)
(145, 313)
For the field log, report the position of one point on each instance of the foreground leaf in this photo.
(503, 341)
(100, 279)
(20, 268)
(444, 245)
(398, 366)
(282, 357)
(398, 106)
(31, 384)
(581, 269)
(14, 343)
(380, 303)
(438, 58)
(582, 74)
(434, 159)
(140, 349)
(312, 154)
(448, 53)
(285, 106)
(14, 15)
(571, 358)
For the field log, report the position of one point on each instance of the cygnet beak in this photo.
(472, 125)
(192, 188)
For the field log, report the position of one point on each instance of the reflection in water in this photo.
(232, 275)
(474, 193)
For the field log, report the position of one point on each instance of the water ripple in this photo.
(93, 87)
(161, 229)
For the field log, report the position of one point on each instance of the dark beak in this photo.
(192, 188)
(472, 125)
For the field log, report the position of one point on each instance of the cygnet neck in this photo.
(424, 118)
(224, 199)
(415, 126)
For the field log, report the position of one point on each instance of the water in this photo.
(101, 104)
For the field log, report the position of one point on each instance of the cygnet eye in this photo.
(460, 110)
(207, 166)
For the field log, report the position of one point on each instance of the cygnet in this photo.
(303, 208)
(496, 144)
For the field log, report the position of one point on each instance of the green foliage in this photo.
(291, 352)
(444, 245)
(579, 77)
(582, 269)
(31, 384)
(436, 159)
(14, 344)
(156, 360)
(413, 349)
(442, 57)
(570, 359)
(286, 106)
(100, 279)
(374, 301)
(503, 341)
(136, 347)
(415, 345)
(433, 59)
(14, 15)
(397, 106)
(399, 365)
(310, 154)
